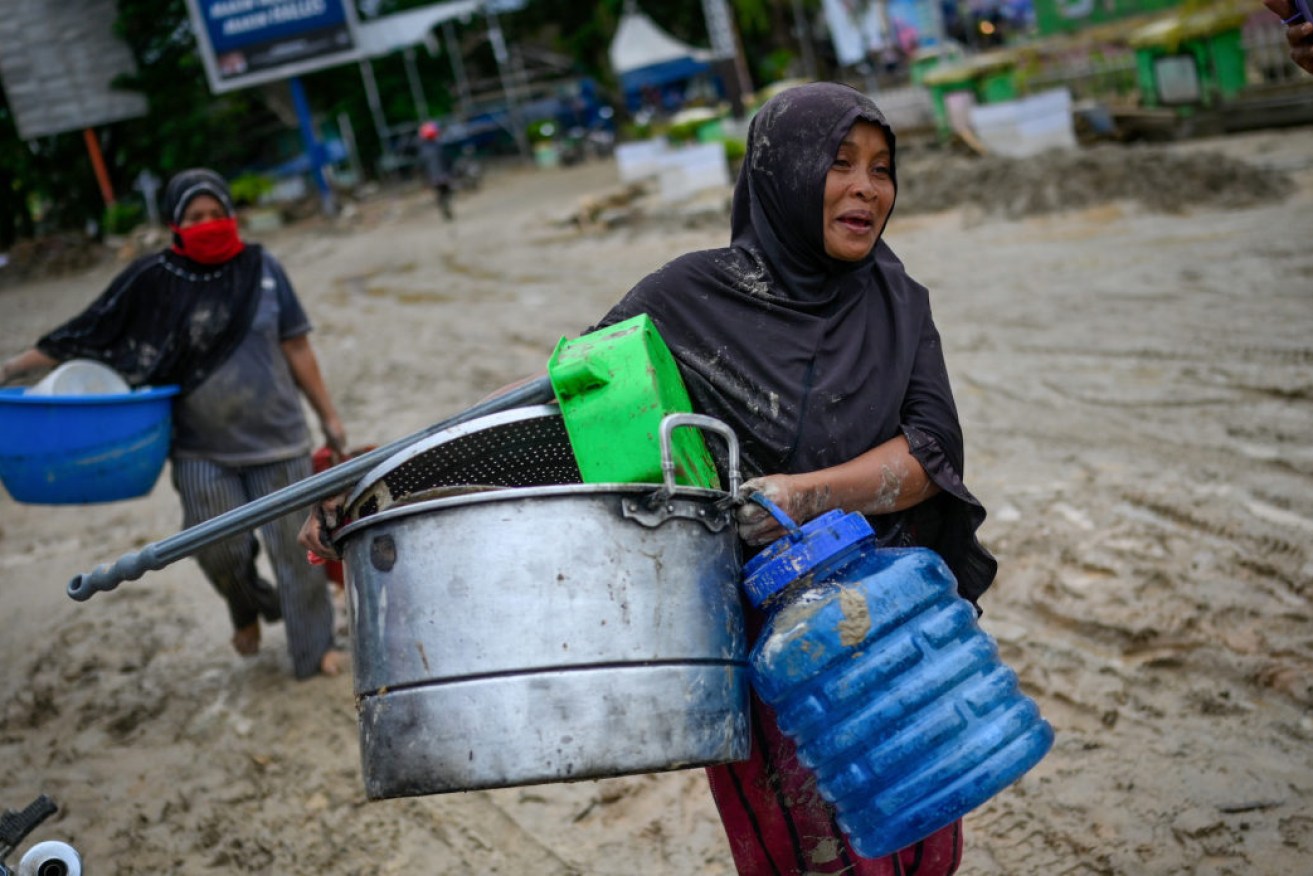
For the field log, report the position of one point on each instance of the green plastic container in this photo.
(615, 386)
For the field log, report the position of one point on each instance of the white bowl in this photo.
(81, 377)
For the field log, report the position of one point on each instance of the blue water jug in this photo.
(878, 671)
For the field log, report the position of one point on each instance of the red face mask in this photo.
(210, 243)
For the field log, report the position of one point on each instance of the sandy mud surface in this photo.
(1135, 376)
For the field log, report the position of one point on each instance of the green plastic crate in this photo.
(615, 386)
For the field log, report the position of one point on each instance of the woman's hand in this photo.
(316, 531)
(790, 494)
(334, 437)
(1299, 35)
(30, 359)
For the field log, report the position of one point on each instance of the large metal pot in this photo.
(550, 633)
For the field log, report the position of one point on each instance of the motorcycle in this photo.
(49, 858)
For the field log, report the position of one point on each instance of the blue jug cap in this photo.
(801, 551)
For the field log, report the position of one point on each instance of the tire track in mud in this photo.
(1277, 553)
(492, 841)
(1015, 834)
(1122, 687)
(1206, 352)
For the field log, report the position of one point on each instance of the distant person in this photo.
(218, 317)
(1298, 33)
(436, 170)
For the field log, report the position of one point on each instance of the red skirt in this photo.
(779, 825)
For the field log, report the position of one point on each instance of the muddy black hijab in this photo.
(167, 319)
(810, 359)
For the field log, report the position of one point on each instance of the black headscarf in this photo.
(167, 319)
(187, 184)
(810, 359)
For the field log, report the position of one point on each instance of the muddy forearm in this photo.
(886, 478)
(30, 359)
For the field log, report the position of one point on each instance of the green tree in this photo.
(15, 181)
(186, 124)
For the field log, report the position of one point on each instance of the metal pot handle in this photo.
(669, 424)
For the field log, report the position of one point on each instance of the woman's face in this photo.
(859, 193)
(202, 208)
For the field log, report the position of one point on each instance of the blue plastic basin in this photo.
(67, 450)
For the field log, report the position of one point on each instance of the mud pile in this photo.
(1156, 177)
(51, 255)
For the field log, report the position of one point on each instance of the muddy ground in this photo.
(1135, 376)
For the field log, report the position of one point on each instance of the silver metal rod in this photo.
(301, 494)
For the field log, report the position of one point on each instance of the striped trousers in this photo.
(301, 599)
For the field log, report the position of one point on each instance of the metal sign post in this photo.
(725, 49)
(148, 184)
(98, 165)
(313, 149)
(248, 42)
(500, 52)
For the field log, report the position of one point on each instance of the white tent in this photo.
(645, 57)
(639, 43)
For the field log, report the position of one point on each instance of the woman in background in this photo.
(217, 316)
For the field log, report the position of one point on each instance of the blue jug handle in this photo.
(795, 531)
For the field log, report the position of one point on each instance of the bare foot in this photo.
(333, 662)
(247, 639)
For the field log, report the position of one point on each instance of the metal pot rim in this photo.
(694, 494)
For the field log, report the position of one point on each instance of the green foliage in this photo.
(541, 131)
(123, 216)
(186, 125)
(45, 184)
(248, 188)
(16, 172)
(685, 127)
(753, 16)
(776, 65)
(636, 131)
(49, 183)
(735, 149)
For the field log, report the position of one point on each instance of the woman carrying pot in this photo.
(218, 317)
(809, 339)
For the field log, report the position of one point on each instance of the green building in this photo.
(1065, 16)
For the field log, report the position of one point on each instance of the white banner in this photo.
(854, 29)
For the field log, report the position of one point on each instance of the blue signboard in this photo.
(245, 42)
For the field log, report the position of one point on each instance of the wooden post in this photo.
(98, 165)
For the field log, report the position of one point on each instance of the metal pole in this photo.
(98, 165)
(725, 49)
(416, 87)
(348, 134)
(299, 495)
(804, 30)
(457, 67)
(313, 150)
(376, 107)
(149, 185)
(498, 41)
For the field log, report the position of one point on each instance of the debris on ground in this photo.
(1160, 179)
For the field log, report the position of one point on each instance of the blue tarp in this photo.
(657, 75)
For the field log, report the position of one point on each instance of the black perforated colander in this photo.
(523, 447)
